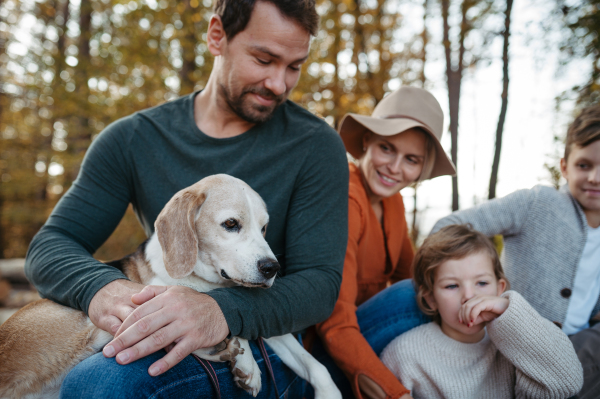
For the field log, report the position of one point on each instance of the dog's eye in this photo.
(264, 230)
(231, 225)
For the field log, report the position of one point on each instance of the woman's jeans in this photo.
(382, 318)
(100, 377)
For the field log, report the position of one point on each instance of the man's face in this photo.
(261, 64)
(582, 171)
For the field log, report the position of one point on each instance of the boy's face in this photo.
(582, 172)
(458, 280)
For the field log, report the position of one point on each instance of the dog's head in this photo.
(216, 229)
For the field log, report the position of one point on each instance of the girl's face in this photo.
(582, 171)
(455, 282)
(391, 163)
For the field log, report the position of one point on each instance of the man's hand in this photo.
(112, 304)
(482, 309)
(166, 315)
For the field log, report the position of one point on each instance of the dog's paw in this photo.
(246, 373)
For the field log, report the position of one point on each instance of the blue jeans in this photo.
(382, 318)
(100, 377)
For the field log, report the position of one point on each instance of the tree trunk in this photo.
(500, 129)
(2, 51)
(454, 77)
(85, 25)
(188, 44)
(1, 227)
(425, 39)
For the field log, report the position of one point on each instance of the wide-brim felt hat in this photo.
(403, 109)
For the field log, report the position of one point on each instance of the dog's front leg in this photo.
(246, 373)
(293, 355)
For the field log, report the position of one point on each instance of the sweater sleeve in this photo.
(341, 331)
(59, 261)
(545, 361)
(398, 357)
(504, 216)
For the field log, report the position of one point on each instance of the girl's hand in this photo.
(482, 309)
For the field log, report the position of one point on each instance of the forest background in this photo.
(68, 68)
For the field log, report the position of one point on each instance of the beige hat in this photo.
(402, 109)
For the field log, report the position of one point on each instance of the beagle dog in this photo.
(209, 235)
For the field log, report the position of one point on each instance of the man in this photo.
(242, 125)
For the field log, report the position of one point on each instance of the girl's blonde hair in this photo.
(451, 242)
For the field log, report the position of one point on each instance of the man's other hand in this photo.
(166, 315)
(112, 304)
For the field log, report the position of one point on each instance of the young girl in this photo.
(484, 342)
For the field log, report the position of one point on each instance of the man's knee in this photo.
(100, 377)
(96, 376)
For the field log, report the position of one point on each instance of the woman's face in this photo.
(391, 163)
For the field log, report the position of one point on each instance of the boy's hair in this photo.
(235, 14)
(451, 242)
(584, 130)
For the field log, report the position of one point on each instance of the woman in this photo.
(395, 147)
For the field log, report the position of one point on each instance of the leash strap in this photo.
(263, 350)
(211, 373)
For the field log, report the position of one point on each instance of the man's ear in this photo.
(563, 168)
(215, 36)
(431, 302)
(501, 286)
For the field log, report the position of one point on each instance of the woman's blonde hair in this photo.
(430, 154)
(451, 242)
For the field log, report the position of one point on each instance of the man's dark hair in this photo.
(584, 130)
(235, 14)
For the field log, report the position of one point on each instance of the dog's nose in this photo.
(268, 267)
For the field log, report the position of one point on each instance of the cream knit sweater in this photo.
(522, 355)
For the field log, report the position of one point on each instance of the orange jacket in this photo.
(366, 272)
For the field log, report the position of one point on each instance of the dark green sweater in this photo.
(295, 161)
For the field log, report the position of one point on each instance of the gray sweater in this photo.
(544, 232)
(522, 355)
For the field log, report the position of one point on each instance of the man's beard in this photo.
(253, 113)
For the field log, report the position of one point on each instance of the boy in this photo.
(552, 243)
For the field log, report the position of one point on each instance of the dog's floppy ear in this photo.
(175, 227)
